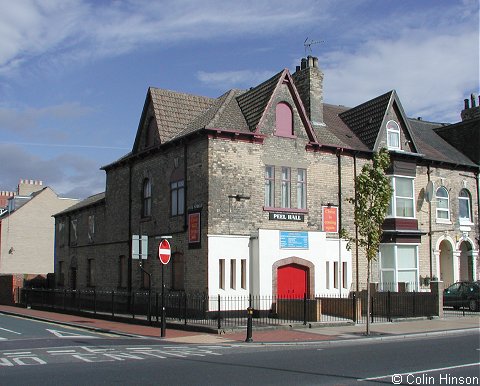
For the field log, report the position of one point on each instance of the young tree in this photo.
(372, 198)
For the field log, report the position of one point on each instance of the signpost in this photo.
(164, 253)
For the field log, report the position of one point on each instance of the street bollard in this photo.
(249, 325)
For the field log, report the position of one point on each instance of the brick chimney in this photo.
(309, 82)
(27, 187)
(471, 109)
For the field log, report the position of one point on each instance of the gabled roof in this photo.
(173, 111)
(254, 102)
(240, 112)
(335, 132)
(365, 120)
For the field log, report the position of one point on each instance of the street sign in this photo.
(164, 252)
(139, 247)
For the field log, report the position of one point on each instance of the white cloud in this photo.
(433, 67)
(233, 79)
(27, 120)
(68, 175)
(58, 30)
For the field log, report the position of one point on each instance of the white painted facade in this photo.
(328, 256)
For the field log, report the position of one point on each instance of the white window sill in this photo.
(443, 221)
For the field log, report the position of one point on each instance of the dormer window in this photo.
(393, 135)
(284, 120)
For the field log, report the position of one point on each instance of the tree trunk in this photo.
(369, 301)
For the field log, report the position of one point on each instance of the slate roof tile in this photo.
(365, 119)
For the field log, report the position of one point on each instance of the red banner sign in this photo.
(330, 219)
(194, 227)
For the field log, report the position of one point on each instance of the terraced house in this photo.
(252, 187)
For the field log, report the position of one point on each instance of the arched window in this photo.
(393, 135)
(464, 206)
(284, 120)
(146, 198)
(443, 205)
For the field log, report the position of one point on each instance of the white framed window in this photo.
(285, 193)
(465, 206)
(301, 189)
(443, 204)
(402, 203)
(393, 135)
(398, 264)
(269, 186)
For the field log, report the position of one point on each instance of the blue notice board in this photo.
(293, 240)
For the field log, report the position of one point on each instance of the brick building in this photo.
(252, 187)
(27, 235)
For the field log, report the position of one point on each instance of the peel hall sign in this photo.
(285, 216)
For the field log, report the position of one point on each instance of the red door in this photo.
(291, 281)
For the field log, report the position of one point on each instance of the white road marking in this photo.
(18, 353)
(64, 334)
(420, 372)
(13, 332)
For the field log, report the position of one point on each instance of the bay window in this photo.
(398, 264)
(402, 203)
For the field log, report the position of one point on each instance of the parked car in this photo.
(463, 294)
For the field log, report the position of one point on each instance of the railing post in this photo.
(414, 298)
(113, 304)
(389, 306)
(219, 325)
(94, 302)
(185, 307)
(78, 300)
(149, 317)
(133, 304)
(371, 309)
(354, 307)
(304, 308)
(64, 298)
(156, 304)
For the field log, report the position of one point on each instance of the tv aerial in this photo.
(308, 44)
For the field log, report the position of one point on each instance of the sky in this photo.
(74, 74)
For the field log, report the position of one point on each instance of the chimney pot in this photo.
(467, 104)
(474, 102)
(310, 61)
(297, 68)
(315, 62)
(303, 64)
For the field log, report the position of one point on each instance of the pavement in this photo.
(305, 335)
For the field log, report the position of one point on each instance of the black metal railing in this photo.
(230, 311)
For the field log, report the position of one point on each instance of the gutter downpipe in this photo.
(129, 259)
(340, 267)
(356, 227)
(430, 249)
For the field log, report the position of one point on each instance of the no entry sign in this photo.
(164, 252)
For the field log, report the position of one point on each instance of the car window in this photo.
(454, 287)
